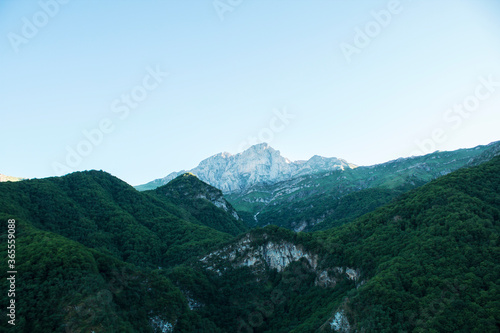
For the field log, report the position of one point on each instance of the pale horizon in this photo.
(149, 88)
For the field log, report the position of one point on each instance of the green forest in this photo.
(96, 255)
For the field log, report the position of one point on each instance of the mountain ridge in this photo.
(423, 263)
(304, 202)
(90, 247)
(259, 164)
(263, 165)
(204, 203)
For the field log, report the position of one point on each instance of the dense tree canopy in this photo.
(95, 254)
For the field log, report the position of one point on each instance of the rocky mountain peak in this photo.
(261, 146)
(259, 164)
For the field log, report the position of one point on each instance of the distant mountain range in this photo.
(90, 248)
(267, 188)
(4, 178)
(262, 165)
(259, 164)
(321, 200)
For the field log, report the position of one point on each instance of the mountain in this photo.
(489, 151)
(204, 204)
(260, 164)
(266, 188)
(103, 212)
(322, 200)
(90, 248)
(4, 178)
(427, 262)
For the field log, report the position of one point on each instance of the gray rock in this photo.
(259, 164)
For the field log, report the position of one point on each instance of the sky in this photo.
(144, 88)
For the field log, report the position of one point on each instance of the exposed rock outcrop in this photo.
(262, 257)
(260, 164)
(340, 322)
(160, 325)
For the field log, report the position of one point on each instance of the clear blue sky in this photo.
(67, 69)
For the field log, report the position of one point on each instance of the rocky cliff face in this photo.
(271, 255)
(260, 164)
(304, 202)
(278, 255)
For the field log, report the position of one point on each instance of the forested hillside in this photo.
(96, 255)
(88, 245)
(63, 286)
(318, 201)
(426, 263)
(104, 213)
(204, 204)
(430, 260)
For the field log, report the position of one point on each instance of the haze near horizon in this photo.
(142, 89)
